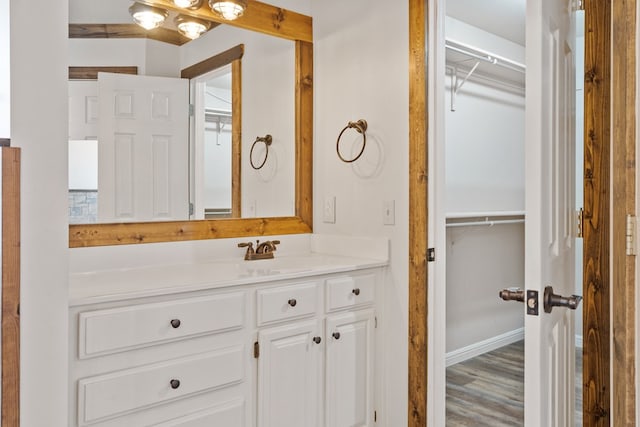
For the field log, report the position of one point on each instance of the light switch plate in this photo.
(389, 212)
(329, 210)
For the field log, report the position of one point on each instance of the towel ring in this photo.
(267, 139)
(360, 126)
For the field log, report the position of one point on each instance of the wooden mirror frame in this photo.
(265, 19)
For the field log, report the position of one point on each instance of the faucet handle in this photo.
(245, 244)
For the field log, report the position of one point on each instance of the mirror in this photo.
(286, 175)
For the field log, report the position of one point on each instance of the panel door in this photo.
(549, 203)
(349, 369)
(289, 372)
(143, 148)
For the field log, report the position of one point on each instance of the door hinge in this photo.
(375, 322)
(190, 208)
(631, 235)
(192, 110)
(256, 349)
(431, 254)
(580, 224)
(579, 5)
(375, 416)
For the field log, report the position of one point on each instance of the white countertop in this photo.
(121, 284)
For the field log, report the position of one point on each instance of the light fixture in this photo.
(148, 17)
(191, 27)
(188, 4)
(228, 9)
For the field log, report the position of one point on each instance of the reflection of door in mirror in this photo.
(212, 188)
(138, 169)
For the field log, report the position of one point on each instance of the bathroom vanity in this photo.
(286, 342)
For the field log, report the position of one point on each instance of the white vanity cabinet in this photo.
(290, 351)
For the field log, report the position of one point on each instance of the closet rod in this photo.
(483, 214)
(489, 223)
(485, 56)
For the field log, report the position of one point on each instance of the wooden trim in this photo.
(91, 73)
(10, 287)
(418, 208)
(125, 31)
(624, 193)
(596, 240)
(213, 63)
(173, 231)
(236, 138)
(261, 17)
(304, 131)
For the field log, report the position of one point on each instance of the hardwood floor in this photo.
(489, 389)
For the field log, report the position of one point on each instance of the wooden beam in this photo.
(155, 232)
(10, 287)
(597, 195)
(623, 296)
(304, 131)
(261, 17)
(213, 63)
(125, 31)
(418, 211)
(91, 73)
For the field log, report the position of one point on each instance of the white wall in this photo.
(361, 72)
(5, 83)
(39, 122)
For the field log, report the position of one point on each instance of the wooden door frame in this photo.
(610, 87)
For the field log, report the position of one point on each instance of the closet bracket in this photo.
(431, 254)
(456, 86)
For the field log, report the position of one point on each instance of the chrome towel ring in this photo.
(267, 139)
(361, 127)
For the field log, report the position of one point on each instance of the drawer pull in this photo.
(292, 302)
(336, 335)
(317, 340)
(175, 323)
(356, 291)
(174, 384)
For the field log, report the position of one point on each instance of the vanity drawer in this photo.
(350, 291)
(287, 302)
(119, 329)
(108, 396)
(230, 414)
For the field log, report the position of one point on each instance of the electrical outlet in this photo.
(329, 210)
(389, 212)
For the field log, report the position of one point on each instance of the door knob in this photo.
(552, 300)
(512, 294)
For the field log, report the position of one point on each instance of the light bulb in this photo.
(229, 10)
(187, 4)
(147, 17)
(191, 27)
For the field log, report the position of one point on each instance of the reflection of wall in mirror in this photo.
(268, 107)
(217, 151)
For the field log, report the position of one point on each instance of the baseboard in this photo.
(490, 344)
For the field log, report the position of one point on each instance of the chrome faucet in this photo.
(263, 250)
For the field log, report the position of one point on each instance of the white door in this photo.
(349, 377)
(143, 148)
(549, 205)
(289, 372)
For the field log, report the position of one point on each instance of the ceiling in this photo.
(504, 18)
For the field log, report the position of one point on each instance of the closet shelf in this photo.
(465, 61)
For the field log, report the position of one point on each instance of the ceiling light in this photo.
(228, 9)
(148, 17)
(188, 4)
(191, 27)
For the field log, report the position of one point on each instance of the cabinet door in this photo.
(289, 369)
(349, 369)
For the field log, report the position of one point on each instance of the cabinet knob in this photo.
(356, 291)
(174, 384)
(175, 323)
(317, 340)
(292, 302)
(336, 335)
